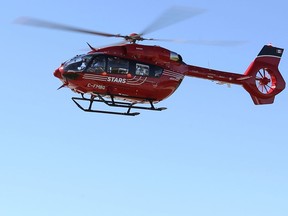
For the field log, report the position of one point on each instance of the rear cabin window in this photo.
(142, 69)
(117, 65)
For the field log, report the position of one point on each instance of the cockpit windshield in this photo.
(78, 63)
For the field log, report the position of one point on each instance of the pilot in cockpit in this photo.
(97, 65)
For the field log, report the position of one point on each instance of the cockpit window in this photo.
(97, 65)
(78, 63)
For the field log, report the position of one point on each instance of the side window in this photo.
(157, 71)
(97, 65)
(142, 69)
(117, 65)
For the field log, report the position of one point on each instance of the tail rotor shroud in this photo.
(266, 80)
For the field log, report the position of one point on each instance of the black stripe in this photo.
(272, 51)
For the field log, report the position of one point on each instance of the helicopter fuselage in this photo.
(149, 74)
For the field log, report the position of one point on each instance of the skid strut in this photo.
(113, 103)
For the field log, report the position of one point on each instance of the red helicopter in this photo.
(134, 76)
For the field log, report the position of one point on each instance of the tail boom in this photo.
(262, 79)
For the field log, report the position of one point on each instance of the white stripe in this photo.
(129, 83)
(94, 77)
(134, 81)
(270, 56)
(173, 74)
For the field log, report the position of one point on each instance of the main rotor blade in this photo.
(171, 16)
(46, 24)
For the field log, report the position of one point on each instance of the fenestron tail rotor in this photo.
(265, 81)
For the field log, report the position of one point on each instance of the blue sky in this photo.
(212, 152)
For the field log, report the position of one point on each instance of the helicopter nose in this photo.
(58, 73)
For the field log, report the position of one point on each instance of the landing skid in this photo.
(113, 103)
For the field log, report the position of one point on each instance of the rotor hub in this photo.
(265, 81)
